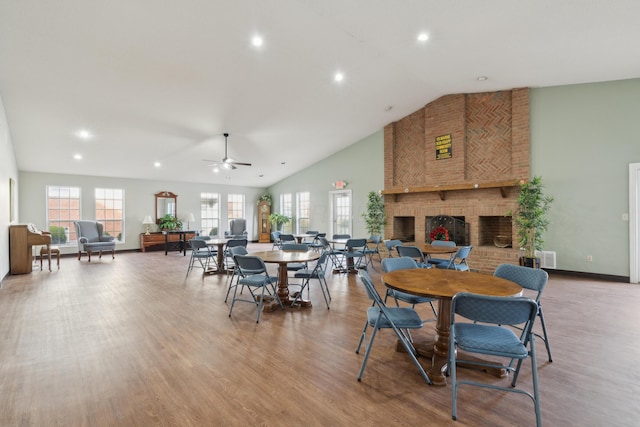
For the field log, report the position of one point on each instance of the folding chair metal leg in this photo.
(545, 338)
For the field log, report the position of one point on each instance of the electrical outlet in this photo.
(625, 217)
(589, 258)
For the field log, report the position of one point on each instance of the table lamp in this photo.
(190, 218)
(147, 221)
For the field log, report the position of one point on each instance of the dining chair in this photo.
(317, 244)
(379, 316)
(449, 243)
(254, 276)
(488, 334)
(391, 245)
(227, 253)
(458, 261)
(277, 243)
(534, 279)
(287, 238)
(295, 266)
(317, 272)
(413, 252)
(202, 253)
(236, 273)
(370, 251)
(405, 263)
(354, 250)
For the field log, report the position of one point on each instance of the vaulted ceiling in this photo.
(153, 81)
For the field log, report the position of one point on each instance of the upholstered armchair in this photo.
(91, 238)
(237, 229)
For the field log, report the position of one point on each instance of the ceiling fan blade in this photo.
(240, 164)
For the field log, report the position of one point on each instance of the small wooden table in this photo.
(219, 243)
(182, 239)
(443, 285)
(282, 258)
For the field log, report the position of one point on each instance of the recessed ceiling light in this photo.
(257, 41)
(157, 164)
(77, 156)
(261, 175)
(83, 134)
(483, 78)
(338, 77)
(423, 37)
(283, 163)
(216, 170)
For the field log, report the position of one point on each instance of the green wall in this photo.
(360, 164)
(583, 138)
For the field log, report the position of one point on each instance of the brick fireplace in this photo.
(461, 156)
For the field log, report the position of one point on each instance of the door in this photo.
(340, 212)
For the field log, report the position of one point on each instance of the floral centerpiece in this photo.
(439, 233)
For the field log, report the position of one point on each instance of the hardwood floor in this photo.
(131, 342)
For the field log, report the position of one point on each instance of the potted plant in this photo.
(265, 198)
(278, 220)
(374, 216)
(169, 222)
(531, 219)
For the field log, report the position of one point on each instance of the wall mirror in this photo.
(166, 203)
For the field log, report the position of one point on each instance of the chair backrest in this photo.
(392, 264)
(275, 235)
(287, 238)
(238, 250)
(318, 236)
(341, 236)
(390, 244)
(294, 247)
(534, 279)
(90, 230)
(511, 311)
(197, 244)
(372, 293)
(443, 243)
(410, 251)
(237, 226)
(249, 264)
(202, 237)
(356, 244)
(463, 252)
(311, 233)
(236, 242)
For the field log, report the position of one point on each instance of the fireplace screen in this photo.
(456, 226)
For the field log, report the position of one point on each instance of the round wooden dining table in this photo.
(443, 285)
(282, 258)
(219, 244)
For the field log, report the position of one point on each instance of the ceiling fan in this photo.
(226, 162)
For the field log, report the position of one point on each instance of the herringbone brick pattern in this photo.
(488, 135)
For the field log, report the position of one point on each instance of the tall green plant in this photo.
(374, 217)
(278, 220)
(531, 216)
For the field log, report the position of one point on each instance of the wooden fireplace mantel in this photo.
(442, 189)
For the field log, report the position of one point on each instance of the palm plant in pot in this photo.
(374, 217)
(531, 220)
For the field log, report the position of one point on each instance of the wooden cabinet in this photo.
(155, 241)
(264, 226)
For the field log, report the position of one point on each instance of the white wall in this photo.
(360, 164)
(8, 169)
(139, 201)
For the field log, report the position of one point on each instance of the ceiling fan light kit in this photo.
(226, 162)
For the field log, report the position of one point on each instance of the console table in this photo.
(171, 241)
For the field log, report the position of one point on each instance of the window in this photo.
(210, 213)
(286, 208)
(110, 211)
(235, 206)
(303, 210)
(63, 207)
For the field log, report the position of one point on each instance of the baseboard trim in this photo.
(606, 277)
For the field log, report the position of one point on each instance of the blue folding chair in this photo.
(254, 277)
(488, 334)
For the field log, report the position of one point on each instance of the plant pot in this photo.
(530, 262)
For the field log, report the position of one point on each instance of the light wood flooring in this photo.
(132, 342)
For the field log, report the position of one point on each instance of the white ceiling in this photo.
(162, 80)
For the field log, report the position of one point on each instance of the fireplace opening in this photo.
(456, 226)
(404, 228)
(495, 231)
